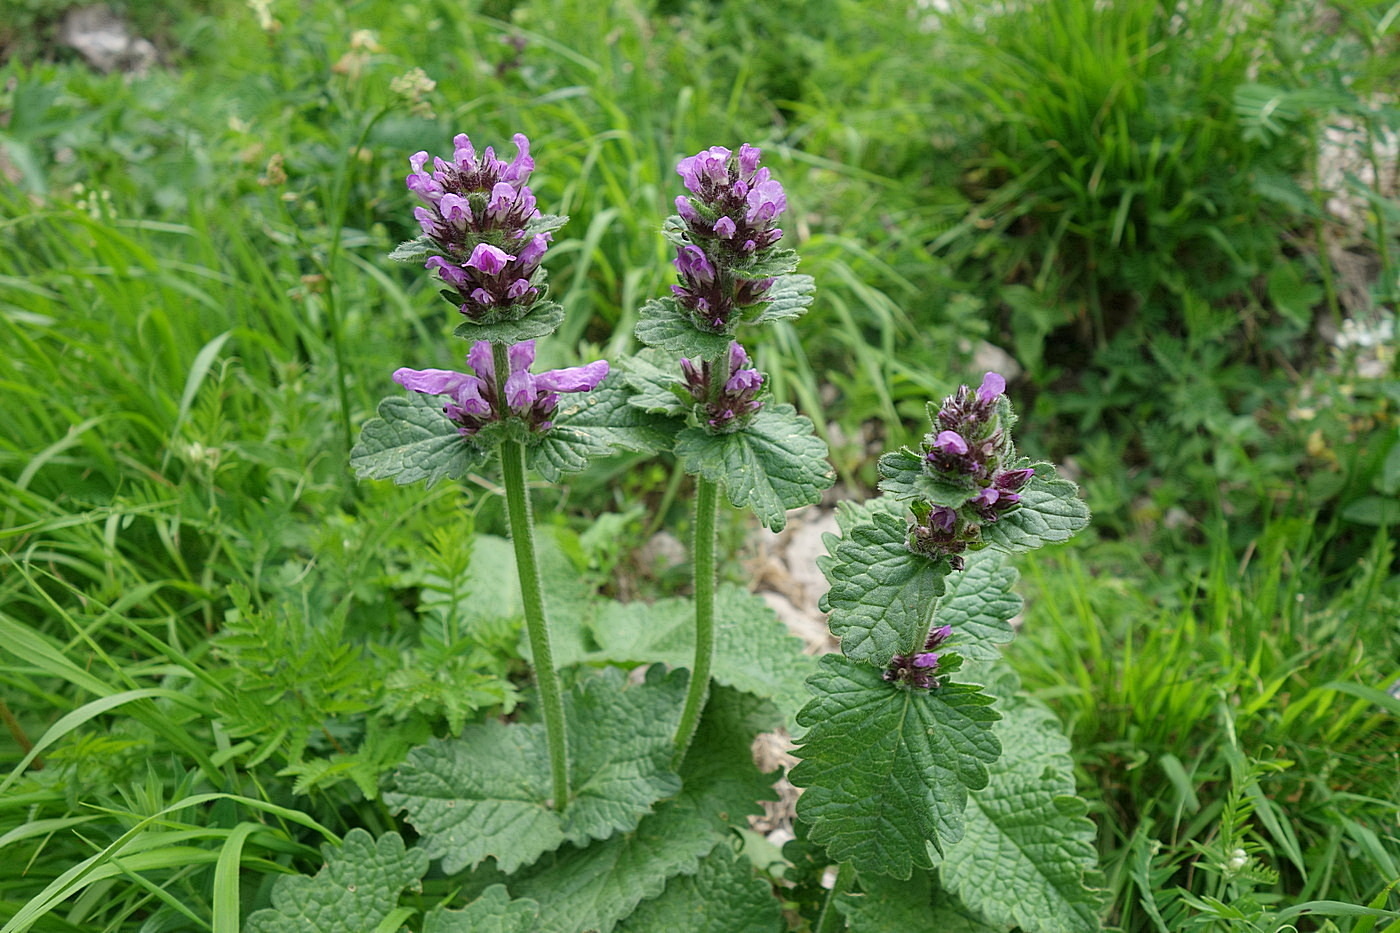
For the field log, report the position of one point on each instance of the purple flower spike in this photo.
(992, 386)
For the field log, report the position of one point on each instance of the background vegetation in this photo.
(1179, 220)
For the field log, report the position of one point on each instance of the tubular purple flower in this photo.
(926, 659)
(687, 210)
(766, 201)
(530, 397)
(573, 379)
(950, 442)
(943, 518)
(489, 259)
(451, 273)
(710, 165)
(692, 263)
(992, 386)
(1012, 480)
(744, 380)
(724, 228)
(937, 637)
(738, 357)
(748, 160)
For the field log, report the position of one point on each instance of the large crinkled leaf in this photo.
(753, 650)
(1026, 830)
(542, 320)
(663, 324)
(1050, 511)
(413, 440)
(787, 299)
(591, 889)
(881, 592)
(486, 793)
(597, 424)
(723, 896)
(492, 912)
(918, 905)
(979, 604)
(888, 768)
(358, 887)
(774, 464)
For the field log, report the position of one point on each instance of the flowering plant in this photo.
(935, 795)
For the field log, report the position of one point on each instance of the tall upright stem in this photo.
(522, 536)
(703, 555)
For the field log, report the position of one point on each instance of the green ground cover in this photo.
(214, 642)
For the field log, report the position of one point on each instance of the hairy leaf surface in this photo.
(664, 324)
(918, 905)
(787, 299)
(413, 440)
(775, 464)
(1050, 511)
(492, 912)
(881, 592)
(723, 896)
(979, 604)
(597, 424)
(1026, 830)
(542, 320)
(486, 793)
(356, 889)
(753, 650)
(887, 769)
(591, 889)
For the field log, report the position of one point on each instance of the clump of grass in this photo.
(1167, 688)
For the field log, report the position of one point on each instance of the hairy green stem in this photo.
(522, 536)
(830, 920)
(926, 628)
(703, 555)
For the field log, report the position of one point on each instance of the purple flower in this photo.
(918, 671)
(950, 442)
(529, 396)
(734, 202)
(992, 386)
(725, 391)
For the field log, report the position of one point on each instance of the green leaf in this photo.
(773, 263)
(788, 298)
(1027, 832)
(417, 249)
(663, 324)
(591, 889)
(487, 792)
(413, 440)
(358, 887)
(1050, 511)
(774, 464)
(753, 650)
(492, 912)
(918, 905)
(978, 602)
(881, 593)
(540, 321)
(902, 476)
(887, 768)
(653, 376)
(598, 424)
(723, 896)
